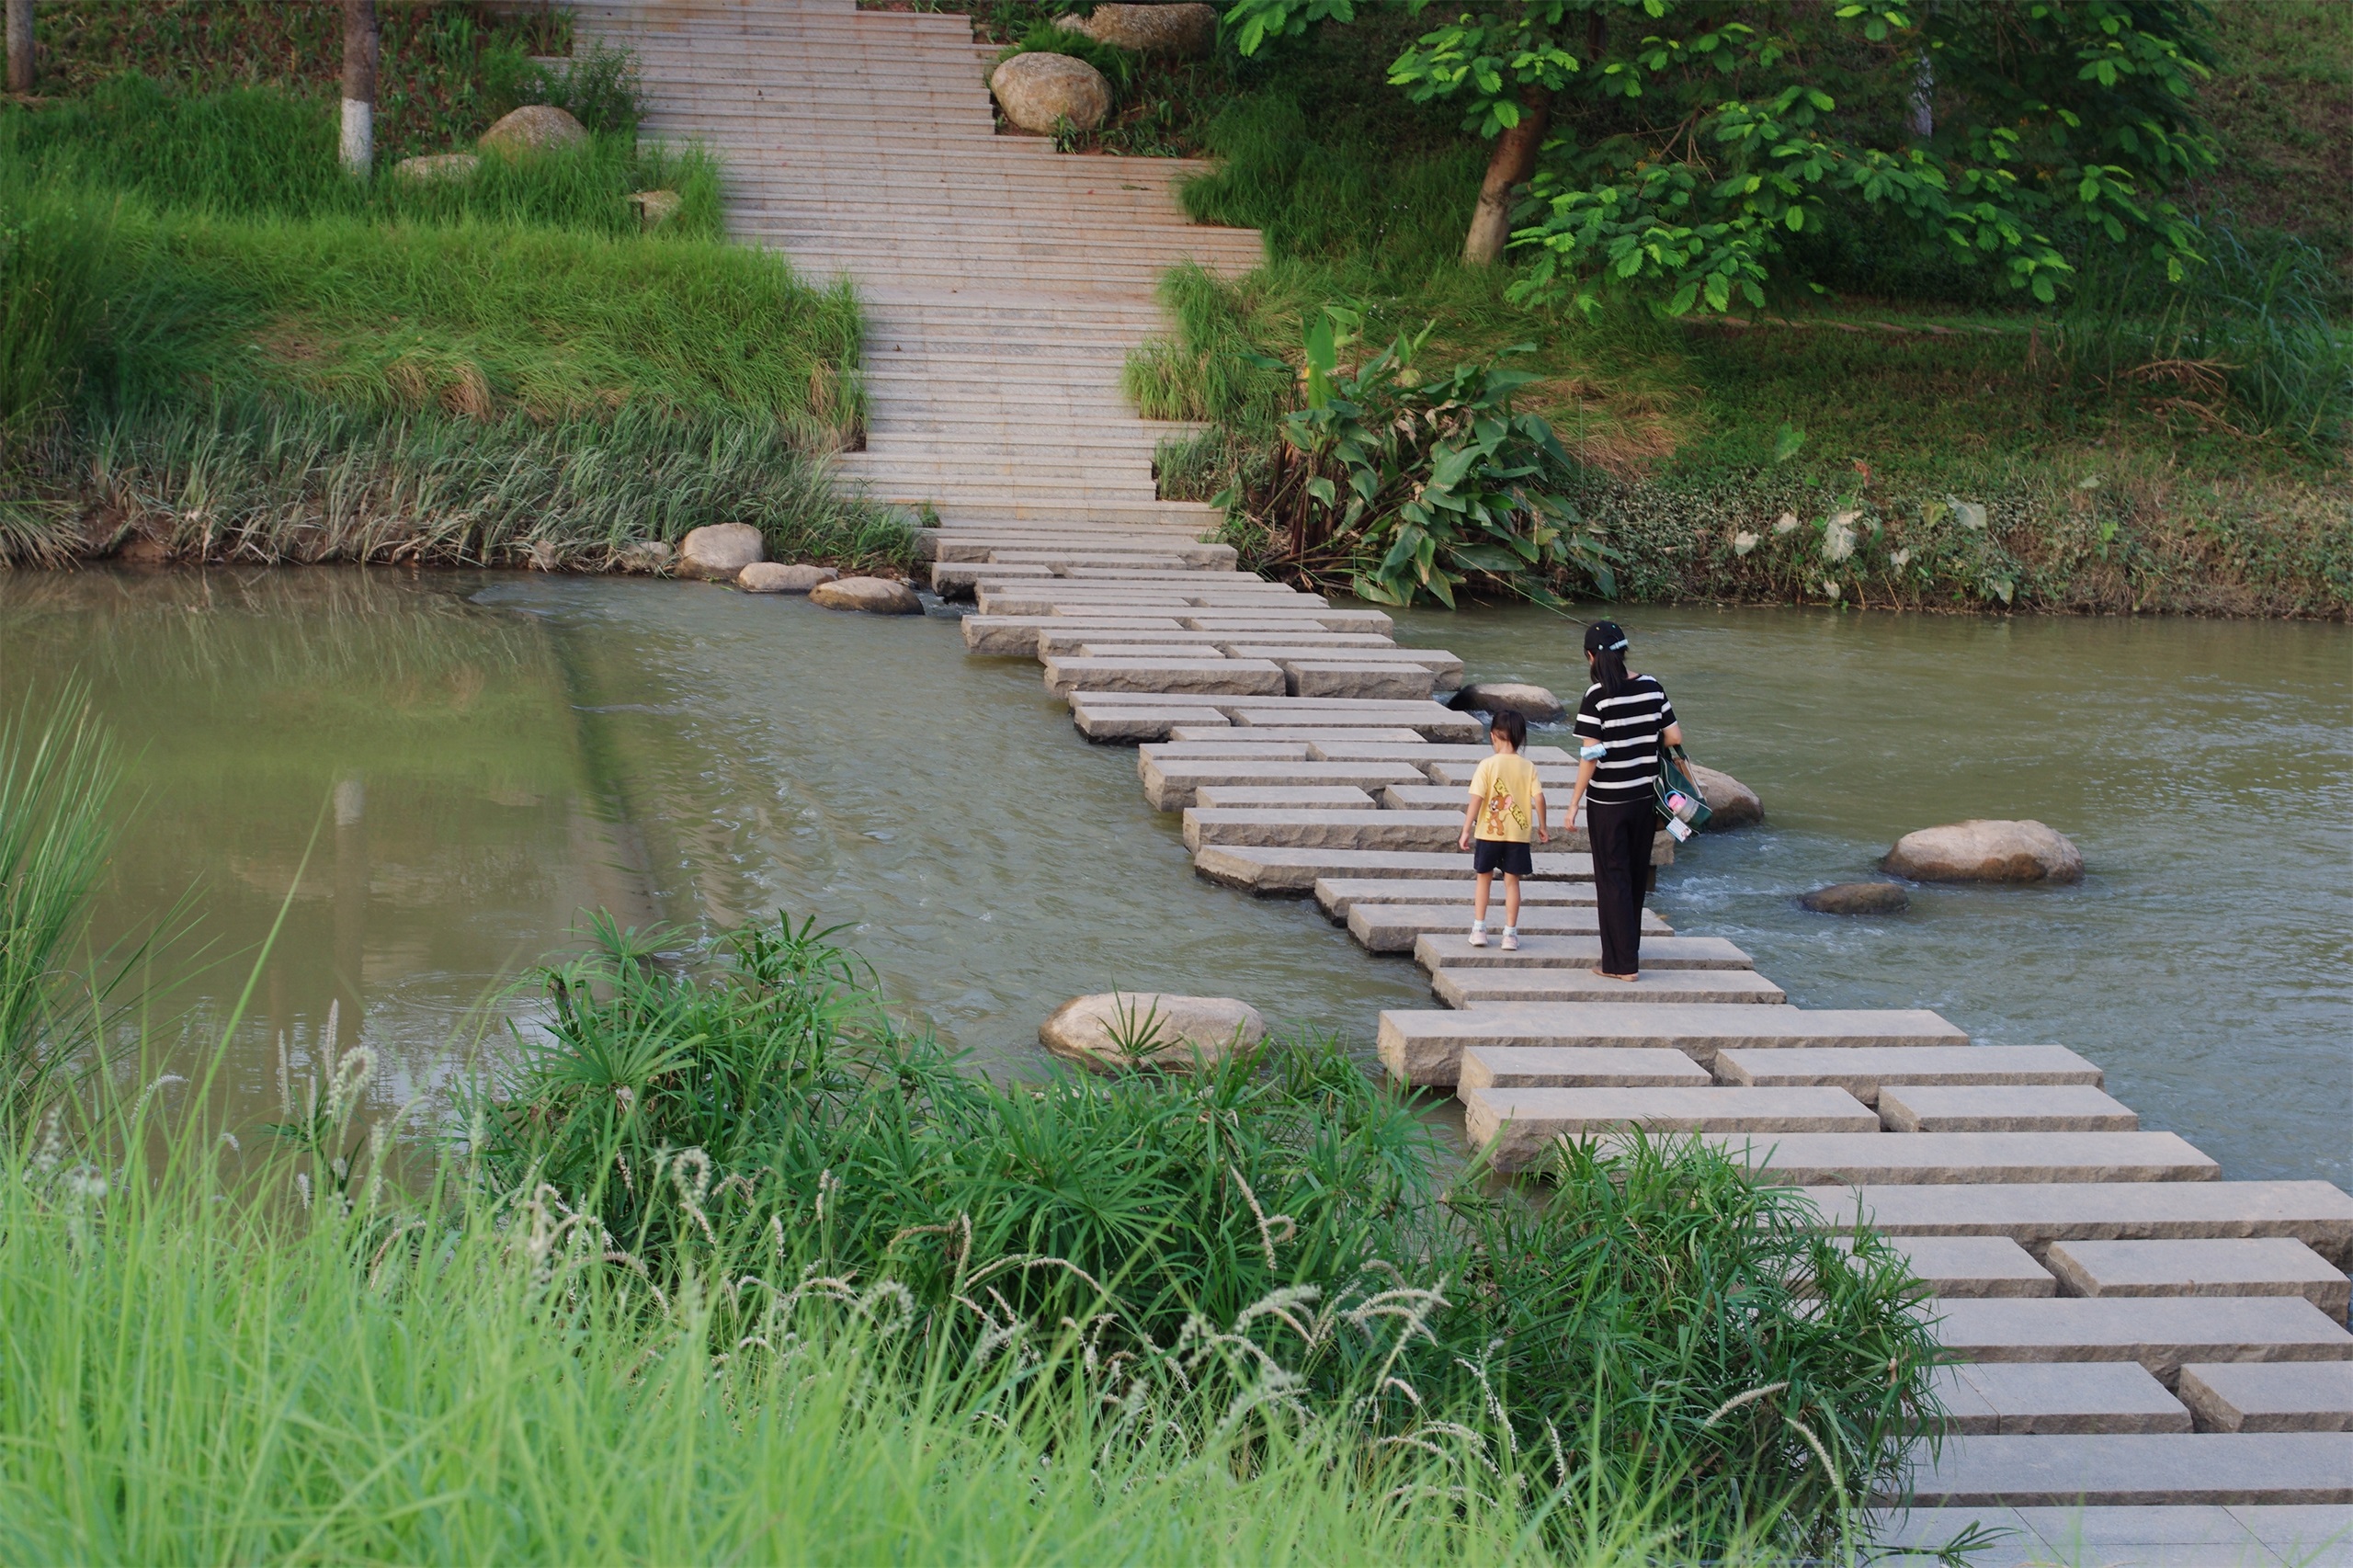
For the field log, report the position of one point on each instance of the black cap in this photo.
(1603, 635)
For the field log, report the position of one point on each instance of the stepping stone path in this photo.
(2130, 1377)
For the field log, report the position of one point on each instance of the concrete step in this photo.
(954, 579)
(1126, 724)
(1246, 748)
(1169, 785)
(1432, 831)
(1446, 667)
(1308, 733)
(2056, 1397)
(1283, 797)
(1540, 1067)
(2249, 1265)
(2162, 1333)
(1480, 988)
(1221, 676)
(1452, 951)
(1397, 928)
(1561, 776)
(1862, 1070)
(2042, 1107)
(2246, 1536)
(1426, 757)
(1293, 872)
(1967, 1266)
(1134, 644)
(2276, 1396)
(1814, 1159)
(1006, 635)
(1338, 895)
(1515, 1126)
(1280, 618)
(2313, 1213)
(1422, 1046)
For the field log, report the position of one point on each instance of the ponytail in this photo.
(1606, 640)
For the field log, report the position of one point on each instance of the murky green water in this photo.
(472, 761)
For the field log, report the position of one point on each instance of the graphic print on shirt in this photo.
(1503, 815)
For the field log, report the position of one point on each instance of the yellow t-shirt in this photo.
(1510, 785)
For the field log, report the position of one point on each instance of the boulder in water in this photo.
(1038, 91)
(720, 551)
(1185, 31)
(1731, 802)
(776, 577)
(1858, 897)
(1987, 851)
(1120, 1031)
(534, 128)
(1531, 702)
(875, 595)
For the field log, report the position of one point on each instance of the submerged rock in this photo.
(647, 556)
(776, 577)
(1984, 850)
(1184, 30)
(1038, 91)
(1531, 702)
(1733, 803)
(875, 595)
(1117, 1031)
(534, 128)
(720, 551)
(1858, 897)
(438, 168)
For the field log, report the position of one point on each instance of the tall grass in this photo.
(52, 247)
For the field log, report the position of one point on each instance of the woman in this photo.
(1623, 721)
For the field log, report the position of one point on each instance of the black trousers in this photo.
(1621, 866)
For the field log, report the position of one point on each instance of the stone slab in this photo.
(1422, 1046)
(2249, 1265)
(1154, 753)
(2037, 1215)
(2062, 1397)
(1134, 722)
(2268, 1396)
(1655, 986)
(1514, 1126)
(1437, 661)
(1452, 949)
(1428, 721)
(1395, 927)
(1432, 831)
(2198, 1535)
(1273, 619)
(1553, 1067)
(1974, 1107)
(1282, 798)
(1170, 783)
(1812, 1159)
(2139, 1469)
(1337, 895)
(1970, 1266)
(1862, 1070)
(1428, 755)
(1216, 677)
(1058, 640)
(1332, 677)
(1311, 734)
(1017, 635)
(2162, 1333)
(1294, 872)
(1559, 774)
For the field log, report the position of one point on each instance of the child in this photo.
(1506, 806)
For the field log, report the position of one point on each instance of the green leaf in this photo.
(1786, 442)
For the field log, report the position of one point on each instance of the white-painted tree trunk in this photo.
(360, 46)
(358, 136)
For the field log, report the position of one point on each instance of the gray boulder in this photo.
(1987, 851)
(1120, 1031)
(1731, 802)
(1858, 897)
(775, 577)
(534, 128)
(1185, 32)
(875, 595)
(1531, 702)
(1038, 91)
(438, 168)
(720, 551)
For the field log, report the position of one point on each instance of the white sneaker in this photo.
(1478, 936)
(1511, 941)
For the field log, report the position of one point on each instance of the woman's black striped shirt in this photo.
(1630, 725)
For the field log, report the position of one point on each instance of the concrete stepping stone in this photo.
(2248, 1266)
(1397, 928)
(1422, 1046)
(1312, 735)
(2044, 1107)
(1432, 831)
(1214, 798)
(1657, 987)
(1337, 895)
(1559, 1067)
(1560, 775)
(1170, 783)
(1008, 635)
(2056, 1397)
(1219, 676)
(1131, 722)
(1289, 644)
(2269, 1396)
(2141, 1470)
(1426, 719)
(1423, 797)
(1452, 949)
(1324, 615)
(1514, 1126)
(1153, 753)
(1969, 1266)
(2038, 1214)
(1862, 1070)
(1812, 1159)
(1356, 678)
(1429, 755)
(2162, 1333)
(954, 579)
(1270, 869)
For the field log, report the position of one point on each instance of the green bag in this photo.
(1677, 795)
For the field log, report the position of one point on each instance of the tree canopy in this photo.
(1667, 148)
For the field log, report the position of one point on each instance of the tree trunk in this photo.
(1513, 161)
(20, 46)
(360, 44)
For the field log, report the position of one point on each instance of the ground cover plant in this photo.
(727, 1262)
(220, 347)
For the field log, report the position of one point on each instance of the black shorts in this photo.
(1501, 855)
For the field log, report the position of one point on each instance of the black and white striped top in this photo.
(1630, 726)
